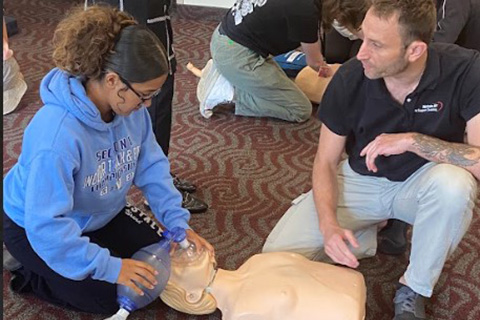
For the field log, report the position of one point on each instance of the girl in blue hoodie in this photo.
(66, 219)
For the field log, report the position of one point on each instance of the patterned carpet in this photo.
(247, 169)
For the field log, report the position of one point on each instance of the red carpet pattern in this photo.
(247, 169)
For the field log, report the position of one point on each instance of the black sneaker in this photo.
(183, 185)
(392, 239)
(193, 204)
(409, 305)
(19, 284)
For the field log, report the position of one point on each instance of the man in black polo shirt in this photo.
(400, 110)
(458, 21)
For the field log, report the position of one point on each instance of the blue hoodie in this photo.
(73, 176)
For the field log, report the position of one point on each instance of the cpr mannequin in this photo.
(268, 286)
(307, 80)
(311, 84)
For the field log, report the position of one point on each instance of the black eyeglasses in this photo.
(141, 97)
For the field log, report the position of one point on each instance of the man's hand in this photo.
(200, 242)
(336, 247)
(386, 144)
(315, 60)
(138, 271)
(325, 71)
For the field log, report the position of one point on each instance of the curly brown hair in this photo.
(417, 18)
(349, 13)
(84, 38)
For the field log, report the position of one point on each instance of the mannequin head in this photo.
(185, 290)
(312, 85)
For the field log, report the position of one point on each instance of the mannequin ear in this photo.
(193, 296)
(416, 49)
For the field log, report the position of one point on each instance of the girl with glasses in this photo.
(66, 218)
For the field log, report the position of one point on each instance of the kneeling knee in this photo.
(304, 113)
(455, 190)
(453, 182)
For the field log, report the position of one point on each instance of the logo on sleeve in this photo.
(433, 107)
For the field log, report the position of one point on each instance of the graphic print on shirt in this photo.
(241, 8)
(115, 166)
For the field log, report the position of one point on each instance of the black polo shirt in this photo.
(447, 96)
(272, 26)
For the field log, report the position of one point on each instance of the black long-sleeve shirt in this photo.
(458, 21)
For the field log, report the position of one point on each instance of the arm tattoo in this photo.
(436, 150)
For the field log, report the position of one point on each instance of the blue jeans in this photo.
(438, 200)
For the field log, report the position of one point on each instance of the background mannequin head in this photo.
(312, 85)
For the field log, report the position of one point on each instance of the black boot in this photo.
(193, 204)
(18, 283)
(183, 185)
(392, 239)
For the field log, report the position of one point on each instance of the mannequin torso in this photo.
(269, 286)
(285, 285)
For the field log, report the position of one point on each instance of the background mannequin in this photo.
(312, 85)
(277, 285)
(212, 82)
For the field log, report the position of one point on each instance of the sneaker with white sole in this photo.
(213, 89)
(14, 85)
(409, 305)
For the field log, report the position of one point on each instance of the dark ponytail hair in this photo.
(89, 42)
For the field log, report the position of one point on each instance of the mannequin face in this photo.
(193, 277)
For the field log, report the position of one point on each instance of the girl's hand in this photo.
(135, 272)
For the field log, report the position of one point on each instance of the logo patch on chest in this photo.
(433, 107)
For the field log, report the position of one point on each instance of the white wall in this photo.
(208, 3)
